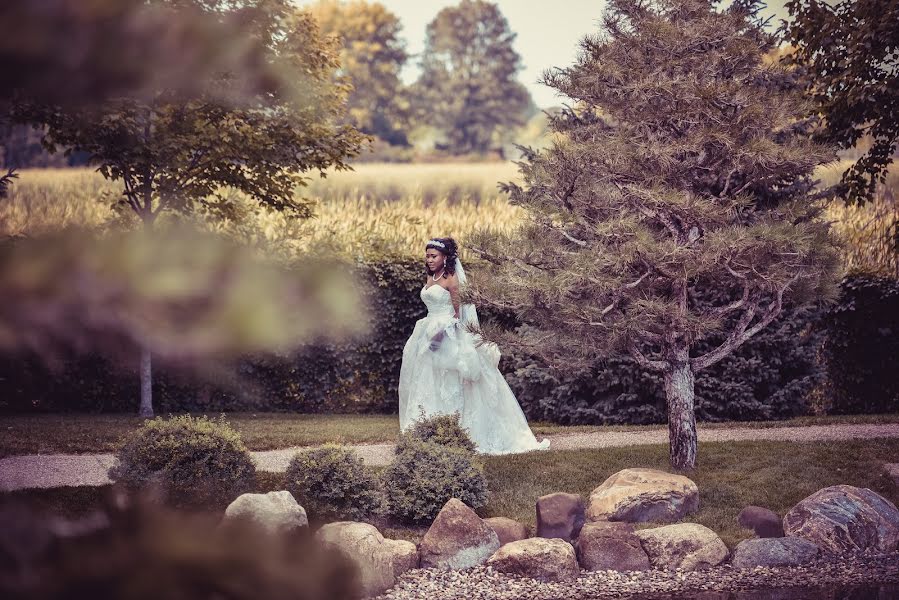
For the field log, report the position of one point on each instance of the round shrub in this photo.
(332, 482)
(192, 460)
(443, 430)
(424, 476)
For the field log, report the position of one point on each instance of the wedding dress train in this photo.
(457, 374)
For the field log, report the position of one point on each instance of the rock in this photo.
(276, 512)
(687, 546)
(774, 552)
(892, 471)
(610, 545)
(560, 515)
(405, 555)
(844, 517)
(539, 558)
(639, 495)
(765, 523)
(380, 561)
(507, 530)
(457, 539)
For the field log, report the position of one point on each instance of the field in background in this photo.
(391, 207)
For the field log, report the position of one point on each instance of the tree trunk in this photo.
(146, 384)
(679, 391)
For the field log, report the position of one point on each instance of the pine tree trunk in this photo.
(146, 384)
(679, 391)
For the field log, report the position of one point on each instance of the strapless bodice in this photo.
(438, 301)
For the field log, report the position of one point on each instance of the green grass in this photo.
(730, 476)
(84, 433)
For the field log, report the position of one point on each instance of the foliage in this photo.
(132, 550)
(848, 50)
(424, 476)
(676, 171)
(862, 350)
(467, 86)
(443, 430)
(332, 483)
(771, 376)
(372, 55)
(194, 461)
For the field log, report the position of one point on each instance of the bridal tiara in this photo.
(436, 243)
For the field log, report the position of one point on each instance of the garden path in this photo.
(56, 470)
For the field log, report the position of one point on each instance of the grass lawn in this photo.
(730, 476)
(86, 433)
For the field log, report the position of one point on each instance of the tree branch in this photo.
(659, 366)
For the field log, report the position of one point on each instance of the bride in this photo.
(445, 369)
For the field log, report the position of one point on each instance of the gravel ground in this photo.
(55, 470)
(865, 568)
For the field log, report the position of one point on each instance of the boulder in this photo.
(457, 539)
(640, 495)
(774, 552)
(844, 517)
(380, 561)
(765, 523)
(275, 512)
(507, 530)
(539, 558)
(560, 515)
(608, 545)
(687, 546)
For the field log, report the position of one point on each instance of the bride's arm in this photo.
(452, 285)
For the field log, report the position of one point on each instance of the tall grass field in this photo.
(392, 207)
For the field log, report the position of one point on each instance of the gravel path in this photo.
(55, 470)
(813, 580)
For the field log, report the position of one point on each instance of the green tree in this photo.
(849, 50)
(467, 87)
(686, 166)
(372, 55)
(174, 151)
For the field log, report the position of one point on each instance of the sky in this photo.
(548, 33)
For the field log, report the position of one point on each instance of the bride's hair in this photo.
(450, 250)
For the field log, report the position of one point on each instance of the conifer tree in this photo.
(684, 166)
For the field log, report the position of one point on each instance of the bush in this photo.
(443, 430)
(768, 377)
(862, 349)
(333, 483)
(424, 476)
(194, 461)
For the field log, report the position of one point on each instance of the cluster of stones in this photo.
(599, 534)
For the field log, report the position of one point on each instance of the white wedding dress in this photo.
(461, 376)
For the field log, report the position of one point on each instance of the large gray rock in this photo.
(560, 515)
(641, 495)
(380, 561)
(539, 558)
(507, 530)
(608, 545)
(275, 512)
(764, 522)
(687, 546)
(774, 552)
(844, 517)
(457, 539)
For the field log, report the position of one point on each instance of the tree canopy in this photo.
(372, 55)
(467, 86)
(850, 51)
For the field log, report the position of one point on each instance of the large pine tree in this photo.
(683, 166)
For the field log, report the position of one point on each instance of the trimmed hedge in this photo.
(862, 349)
(769, 377)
